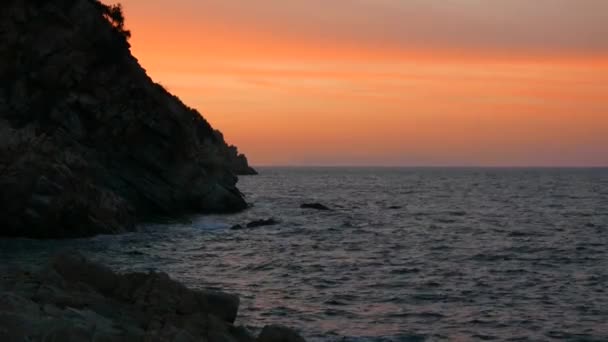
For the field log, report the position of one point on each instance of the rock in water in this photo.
(237, 227)
(262, 223)
(89, 144)
(316, 206)
(256, 224)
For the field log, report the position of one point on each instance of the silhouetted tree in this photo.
(113, 13)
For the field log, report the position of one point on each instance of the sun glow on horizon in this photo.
(297, 97)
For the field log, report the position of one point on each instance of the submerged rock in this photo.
(89, 144)
(237, 227)
(256, 224)
(261, 223)
(316, 206)
(75, 299)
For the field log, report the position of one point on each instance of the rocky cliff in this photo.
(89, 144)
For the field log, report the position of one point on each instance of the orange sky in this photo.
(388, 82)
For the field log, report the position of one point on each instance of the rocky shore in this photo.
(75, 300)
(89, 144)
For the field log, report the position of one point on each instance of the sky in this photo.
(388, 82)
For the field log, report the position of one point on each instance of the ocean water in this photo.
(406, 254)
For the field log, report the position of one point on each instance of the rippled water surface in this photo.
(406, 254)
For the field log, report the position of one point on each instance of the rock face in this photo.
(237, 162)
(76, 300)
(89, 144)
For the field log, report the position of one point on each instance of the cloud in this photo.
(505, 26)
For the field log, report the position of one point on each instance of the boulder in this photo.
(277, 333)
(154, 291)
(75, 299)
(75, 268)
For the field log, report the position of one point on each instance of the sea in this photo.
(405, 254)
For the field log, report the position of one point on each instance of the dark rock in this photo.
(74, 267)
(78, 300)
(153, 290)
(237, 162)
(89, 144)
(261, 223)
(241, 334)
(316, 206)
(277, 333)
(223, 305)
(256, 224)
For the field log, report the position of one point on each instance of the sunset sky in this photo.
(388, 82)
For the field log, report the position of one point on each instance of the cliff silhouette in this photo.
(89, 144)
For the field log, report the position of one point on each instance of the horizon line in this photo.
(435, 166)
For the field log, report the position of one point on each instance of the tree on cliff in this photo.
(114, 14)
